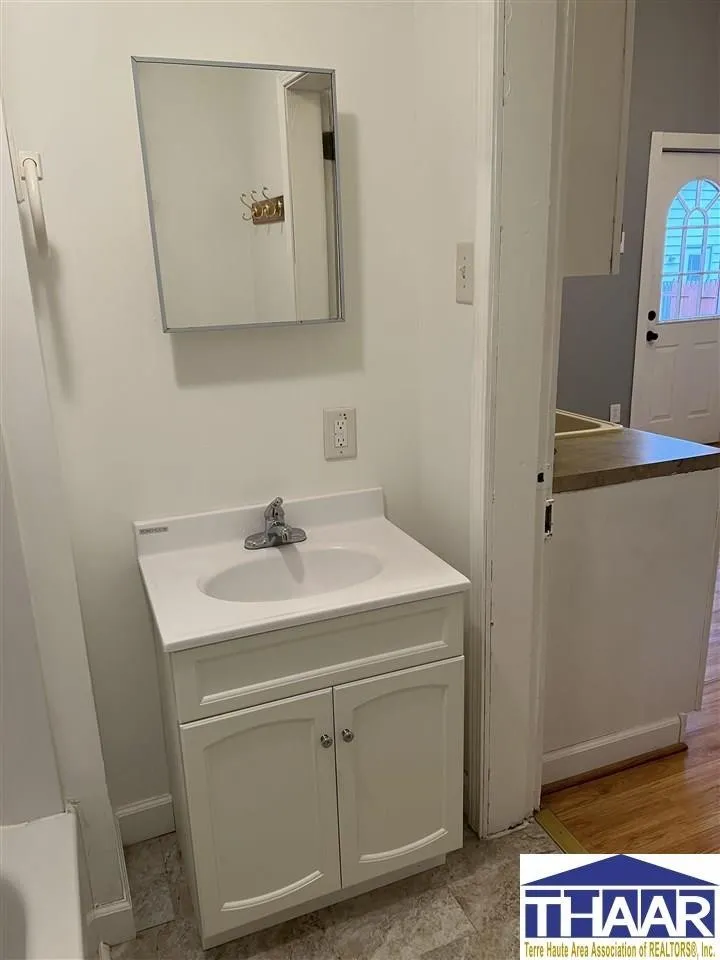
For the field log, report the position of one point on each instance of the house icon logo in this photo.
(620, 898)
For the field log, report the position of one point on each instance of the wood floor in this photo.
(664, 806)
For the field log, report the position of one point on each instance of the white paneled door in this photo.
(263, 809)
(677, 354)
(399, 767)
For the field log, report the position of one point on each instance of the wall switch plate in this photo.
(340, 433)
(615, 413)
(464, 273)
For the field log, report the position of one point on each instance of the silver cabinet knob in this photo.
(326, 741)
(347, 735)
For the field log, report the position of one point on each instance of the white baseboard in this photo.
(112, 923)
(593, 754)
(146, 819)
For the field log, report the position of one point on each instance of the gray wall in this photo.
(675, 87)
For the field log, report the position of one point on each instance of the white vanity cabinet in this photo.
(323, 788)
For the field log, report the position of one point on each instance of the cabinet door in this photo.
(399, 764)
(262, 808)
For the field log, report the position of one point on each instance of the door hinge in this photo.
(549, 517)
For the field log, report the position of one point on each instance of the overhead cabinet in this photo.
(600, 51)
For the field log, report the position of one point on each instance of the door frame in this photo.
(660, 142)
(522, 89)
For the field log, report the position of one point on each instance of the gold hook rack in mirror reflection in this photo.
(243, 200)
(265, 209)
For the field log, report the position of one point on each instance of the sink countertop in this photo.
(178, 553)
(609, 458)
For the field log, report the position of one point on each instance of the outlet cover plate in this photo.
(615, 413)
(340, 433)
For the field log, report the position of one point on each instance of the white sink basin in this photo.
(577, 425)
(288, 572)
(204, 586)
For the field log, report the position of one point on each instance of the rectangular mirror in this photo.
(241, 174)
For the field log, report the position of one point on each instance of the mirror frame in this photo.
(338, 266)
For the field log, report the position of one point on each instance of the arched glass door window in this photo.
(690, 282)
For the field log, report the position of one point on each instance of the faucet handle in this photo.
(274, 510)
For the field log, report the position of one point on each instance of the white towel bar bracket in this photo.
(31, 172)
(24, 155)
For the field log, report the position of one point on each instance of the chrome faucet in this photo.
(277, 533)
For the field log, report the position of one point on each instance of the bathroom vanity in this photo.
(314, 714)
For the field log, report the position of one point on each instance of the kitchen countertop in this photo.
(599, 461)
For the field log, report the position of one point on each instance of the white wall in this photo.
(445, 165)
(29, 784)
(150, 425)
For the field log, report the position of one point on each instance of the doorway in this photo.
(677, 353)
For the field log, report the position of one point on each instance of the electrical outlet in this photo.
(615, 413)
(340, 433)
(464, 273)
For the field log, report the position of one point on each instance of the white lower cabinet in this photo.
(366, 776)
(630, 604)
(399, 768)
